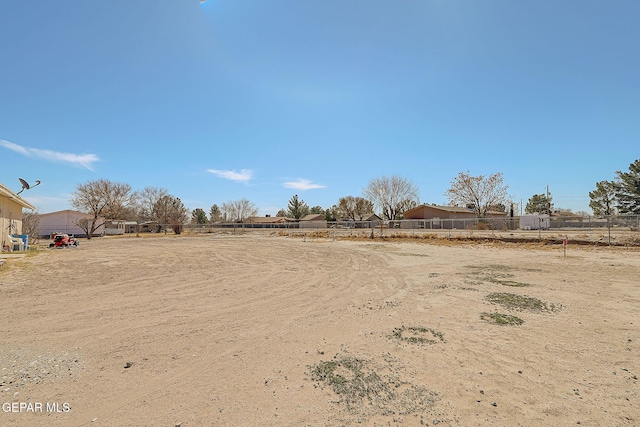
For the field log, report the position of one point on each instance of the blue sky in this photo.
(256, 99)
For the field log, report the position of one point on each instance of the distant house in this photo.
(373, 221)
(11, 206)
(534, 222)
(446, 212)
(265, 220)
(367, 221)
(66, 221)
(120, 226)
(372, 217)
(434, 216)
(313, 221)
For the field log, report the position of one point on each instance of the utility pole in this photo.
(548, 202)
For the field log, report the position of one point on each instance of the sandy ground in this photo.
(234, 330)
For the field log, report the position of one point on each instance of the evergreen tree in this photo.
(215, 214)
(198, 216)
(603, 198)
(539, 203)
(628, 191)
(316, 210)
(297, 208)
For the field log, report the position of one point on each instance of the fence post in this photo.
(540, 228)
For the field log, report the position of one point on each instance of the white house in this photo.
(120, 226)
(66, 221)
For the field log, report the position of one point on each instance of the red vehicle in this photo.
(63, 241)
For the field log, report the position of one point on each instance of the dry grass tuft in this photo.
(417, 335)
(521, 302)
(501, 319)
(367, 393)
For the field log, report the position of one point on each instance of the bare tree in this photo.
(31, 225)
(479, 193)
(362, 209)
(353, 208)
(392, 195)
(238, 210)
(102, 199)
(147, 199)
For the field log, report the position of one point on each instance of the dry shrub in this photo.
(364, 390)
(319, 234)
(482, 226)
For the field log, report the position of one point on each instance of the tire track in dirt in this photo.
(330, 279)
(221, 330)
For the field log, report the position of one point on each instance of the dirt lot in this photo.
(271, 331)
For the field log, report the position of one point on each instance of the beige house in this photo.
(11, 206)
(313, 221)
(446, 212)
(265, 220)
(433, 216)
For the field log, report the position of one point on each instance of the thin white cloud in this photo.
(302, 184)
(78, 160)
(14, 147)
(243, 175)
(45, 204)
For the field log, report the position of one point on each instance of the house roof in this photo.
(453, 209)
(313, 217)
(265, 219)
(67, 211)
(4, 191)
(123, 221)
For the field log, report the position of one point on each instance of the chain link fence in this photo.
(629, 222)
(613, 230)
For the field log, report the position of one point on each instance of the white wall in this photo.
(534, 221)
(64, 222)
